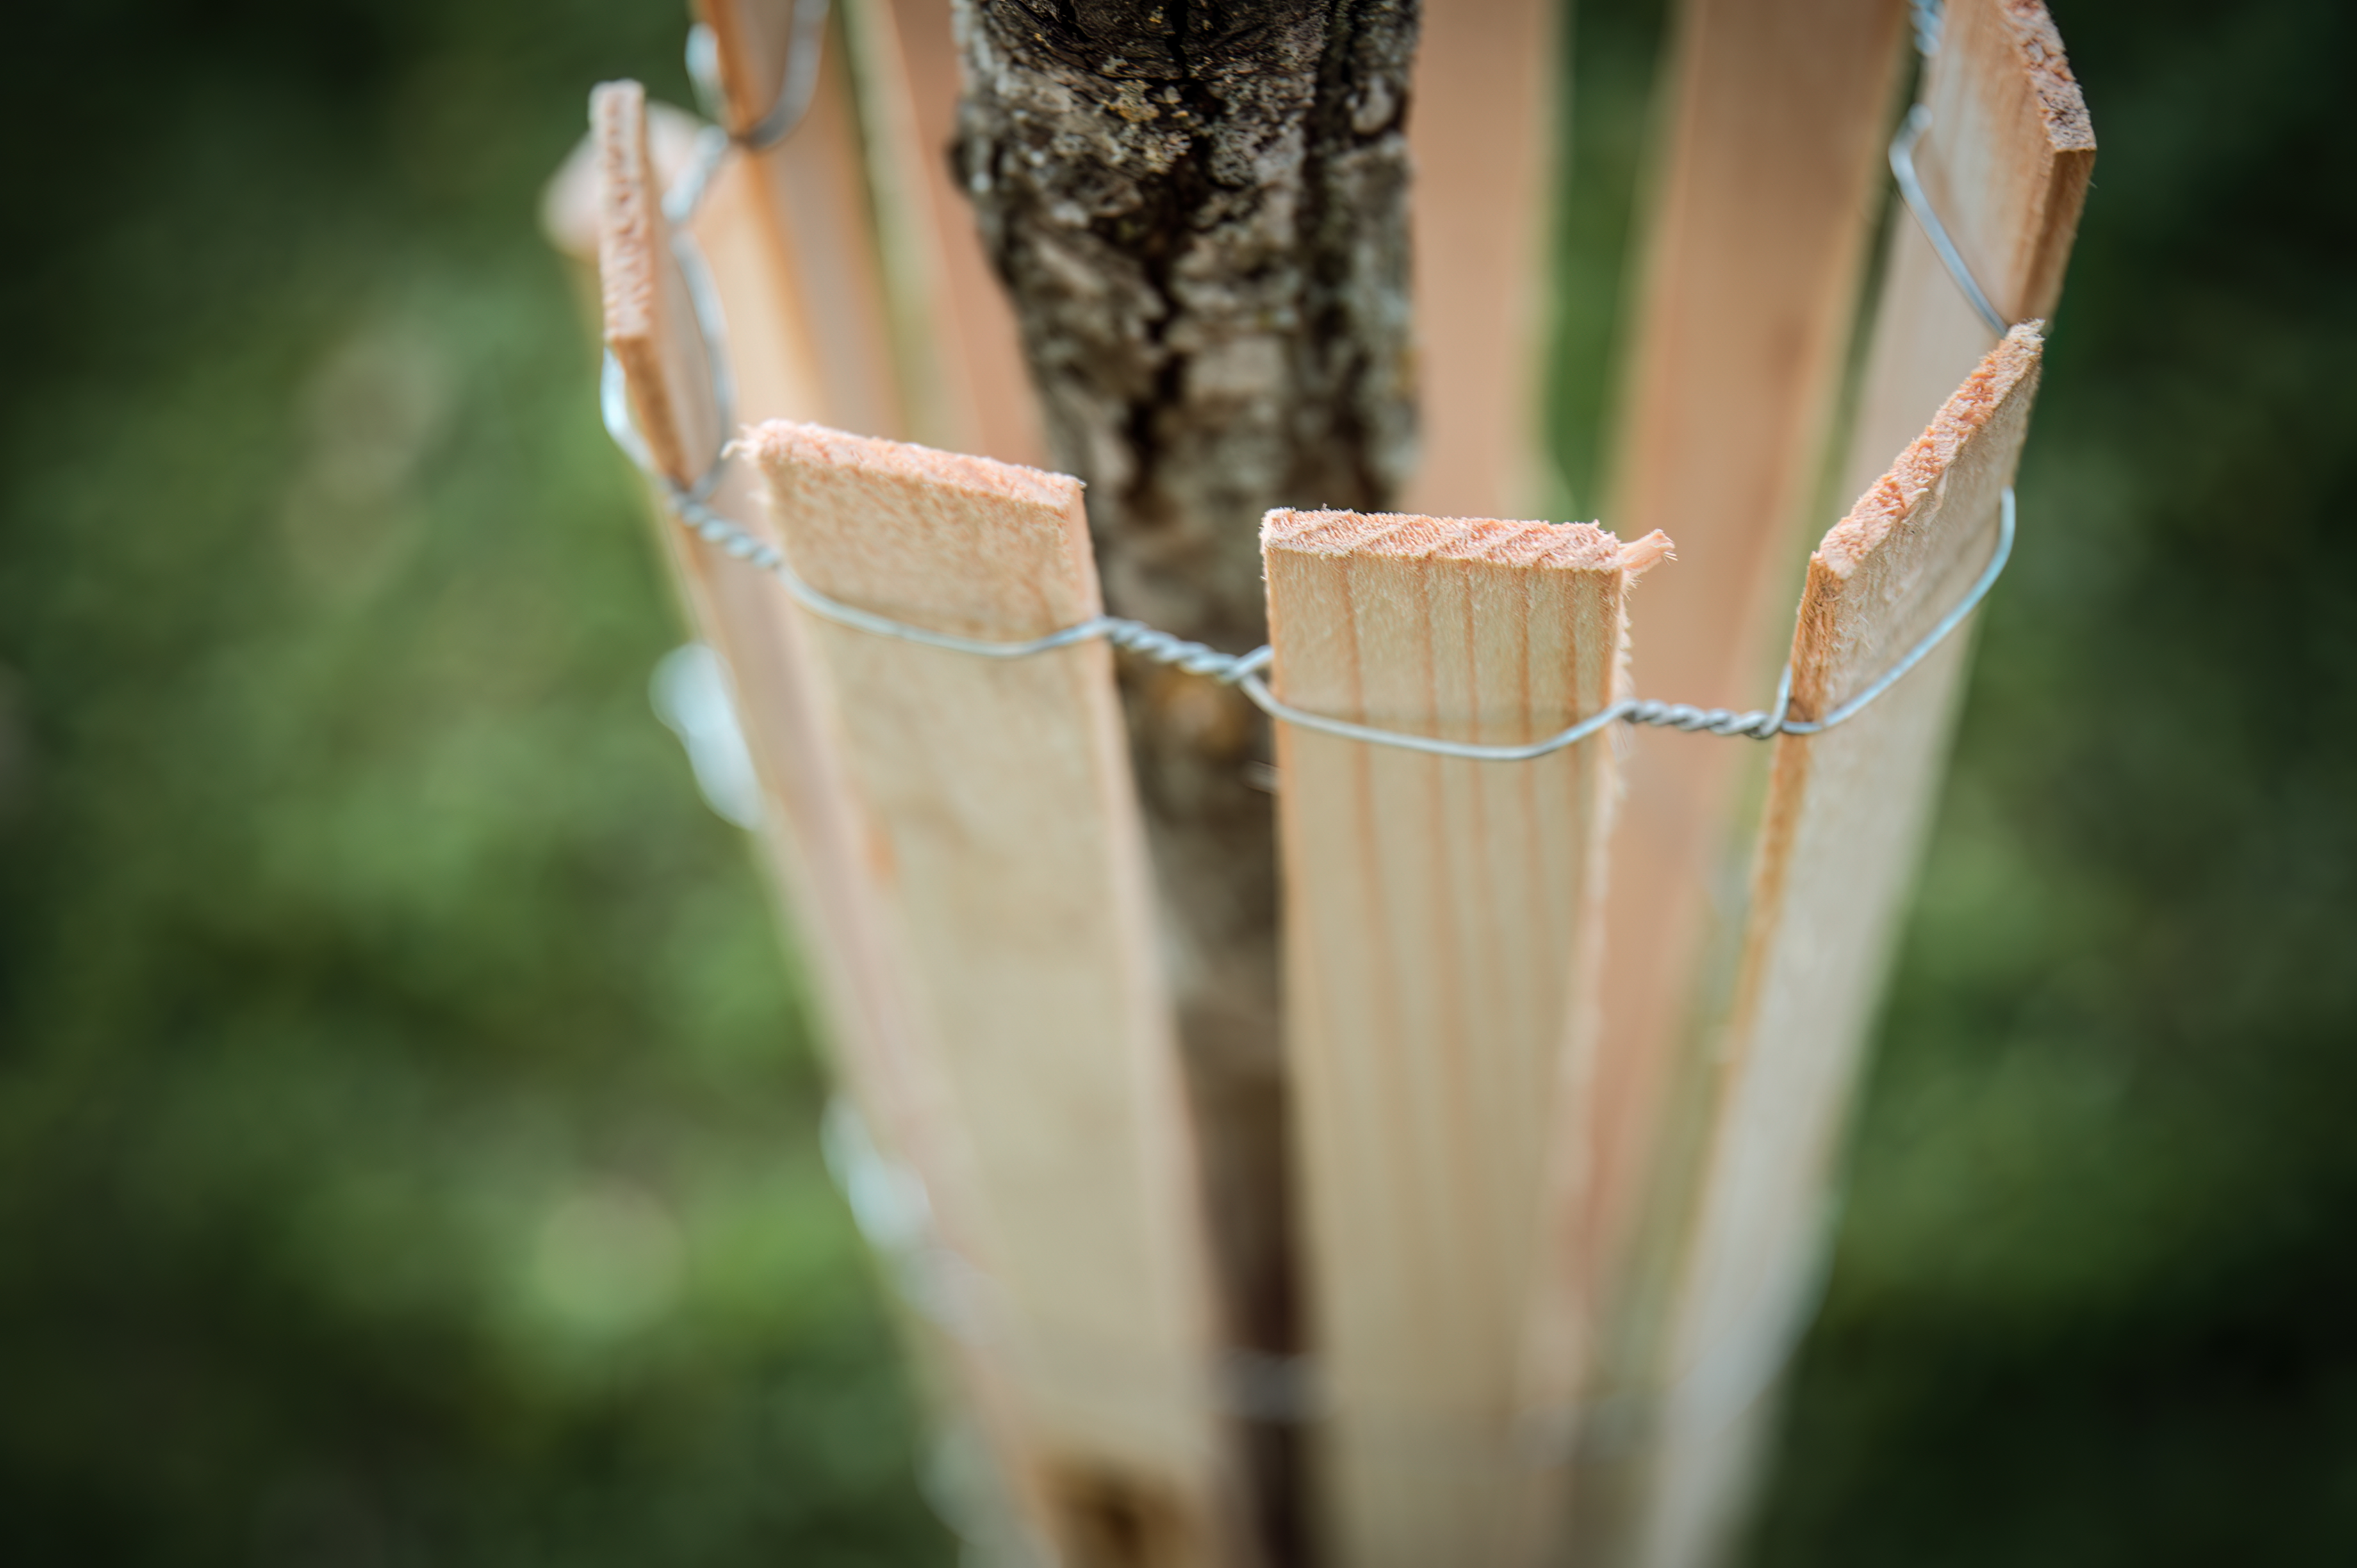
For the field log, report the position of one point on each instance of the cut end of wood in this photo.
(1926, 460)
(784, 442)
(569, 204)
(2059, 102)
(629, 215)
(1567, 546)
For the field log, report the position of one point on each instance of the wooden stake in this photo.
(1756, 240)
(1481, 135)
(815, 213)
(813, 831)
(1845, 814)
(961, 354)
(1441, 933)
(649, 327)
(2006, 163)
(1003, 833)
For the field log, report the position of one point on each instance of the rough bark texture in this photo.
(1201, 212)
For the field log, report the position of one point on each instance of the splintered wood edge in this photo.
(2071, 146)
(1848, 543)
(2059, 102)
(1896, 500)
(1571, 546)
(780, 445)
(2008, 55)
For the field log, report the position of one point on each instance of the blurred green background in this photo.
(407, 1128)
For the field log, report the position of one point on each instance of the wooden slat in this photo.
(813, 831)
(1752, 265)
(816, 214)
(1003, 831)
(962, 354)
(1441, 920)
(649, 327)
(1845, 814)
(1482, 132)
(2006, 163)
(650, 321)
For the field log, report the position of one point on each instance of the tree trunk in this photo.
(1201, 212)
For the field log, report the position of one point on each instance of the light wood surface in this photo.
(569, 210)
(756, 41)
(650, 322)
(1440, 921)
(1757, 234)
(1481, 136)
(1845, 817)
(816, 215)
(813, 831)
(2006, 163)
(962, 354)
(746, 616)
(1003, 836)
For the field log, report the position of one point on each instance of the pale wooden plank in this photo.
(755, 44)
(2006, 163)
(962, 352)
(746, 617)
(816, 214)
(1756, 239)
(1845, 816)
(1481, 134)
(1440, 921)
(650, 321)
(813, 835)
(1003, 833)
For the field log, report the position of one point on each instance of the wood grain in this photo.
(961, 356)
(1757, 236)
(1004, 841)
(650, 322)
(1441, 920)
(1481, 136)
(1845, 817)
(816, 215)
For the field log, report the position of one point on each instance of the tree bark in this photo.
(1201, 212)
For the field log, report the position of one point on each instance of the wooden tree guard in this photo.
(1761, 223)
(1441, 943)
(959, 837)
(1482, 132)
(1001, 831)
(1845, 814)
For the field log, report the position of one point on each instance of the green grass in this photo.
(407, 1126)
